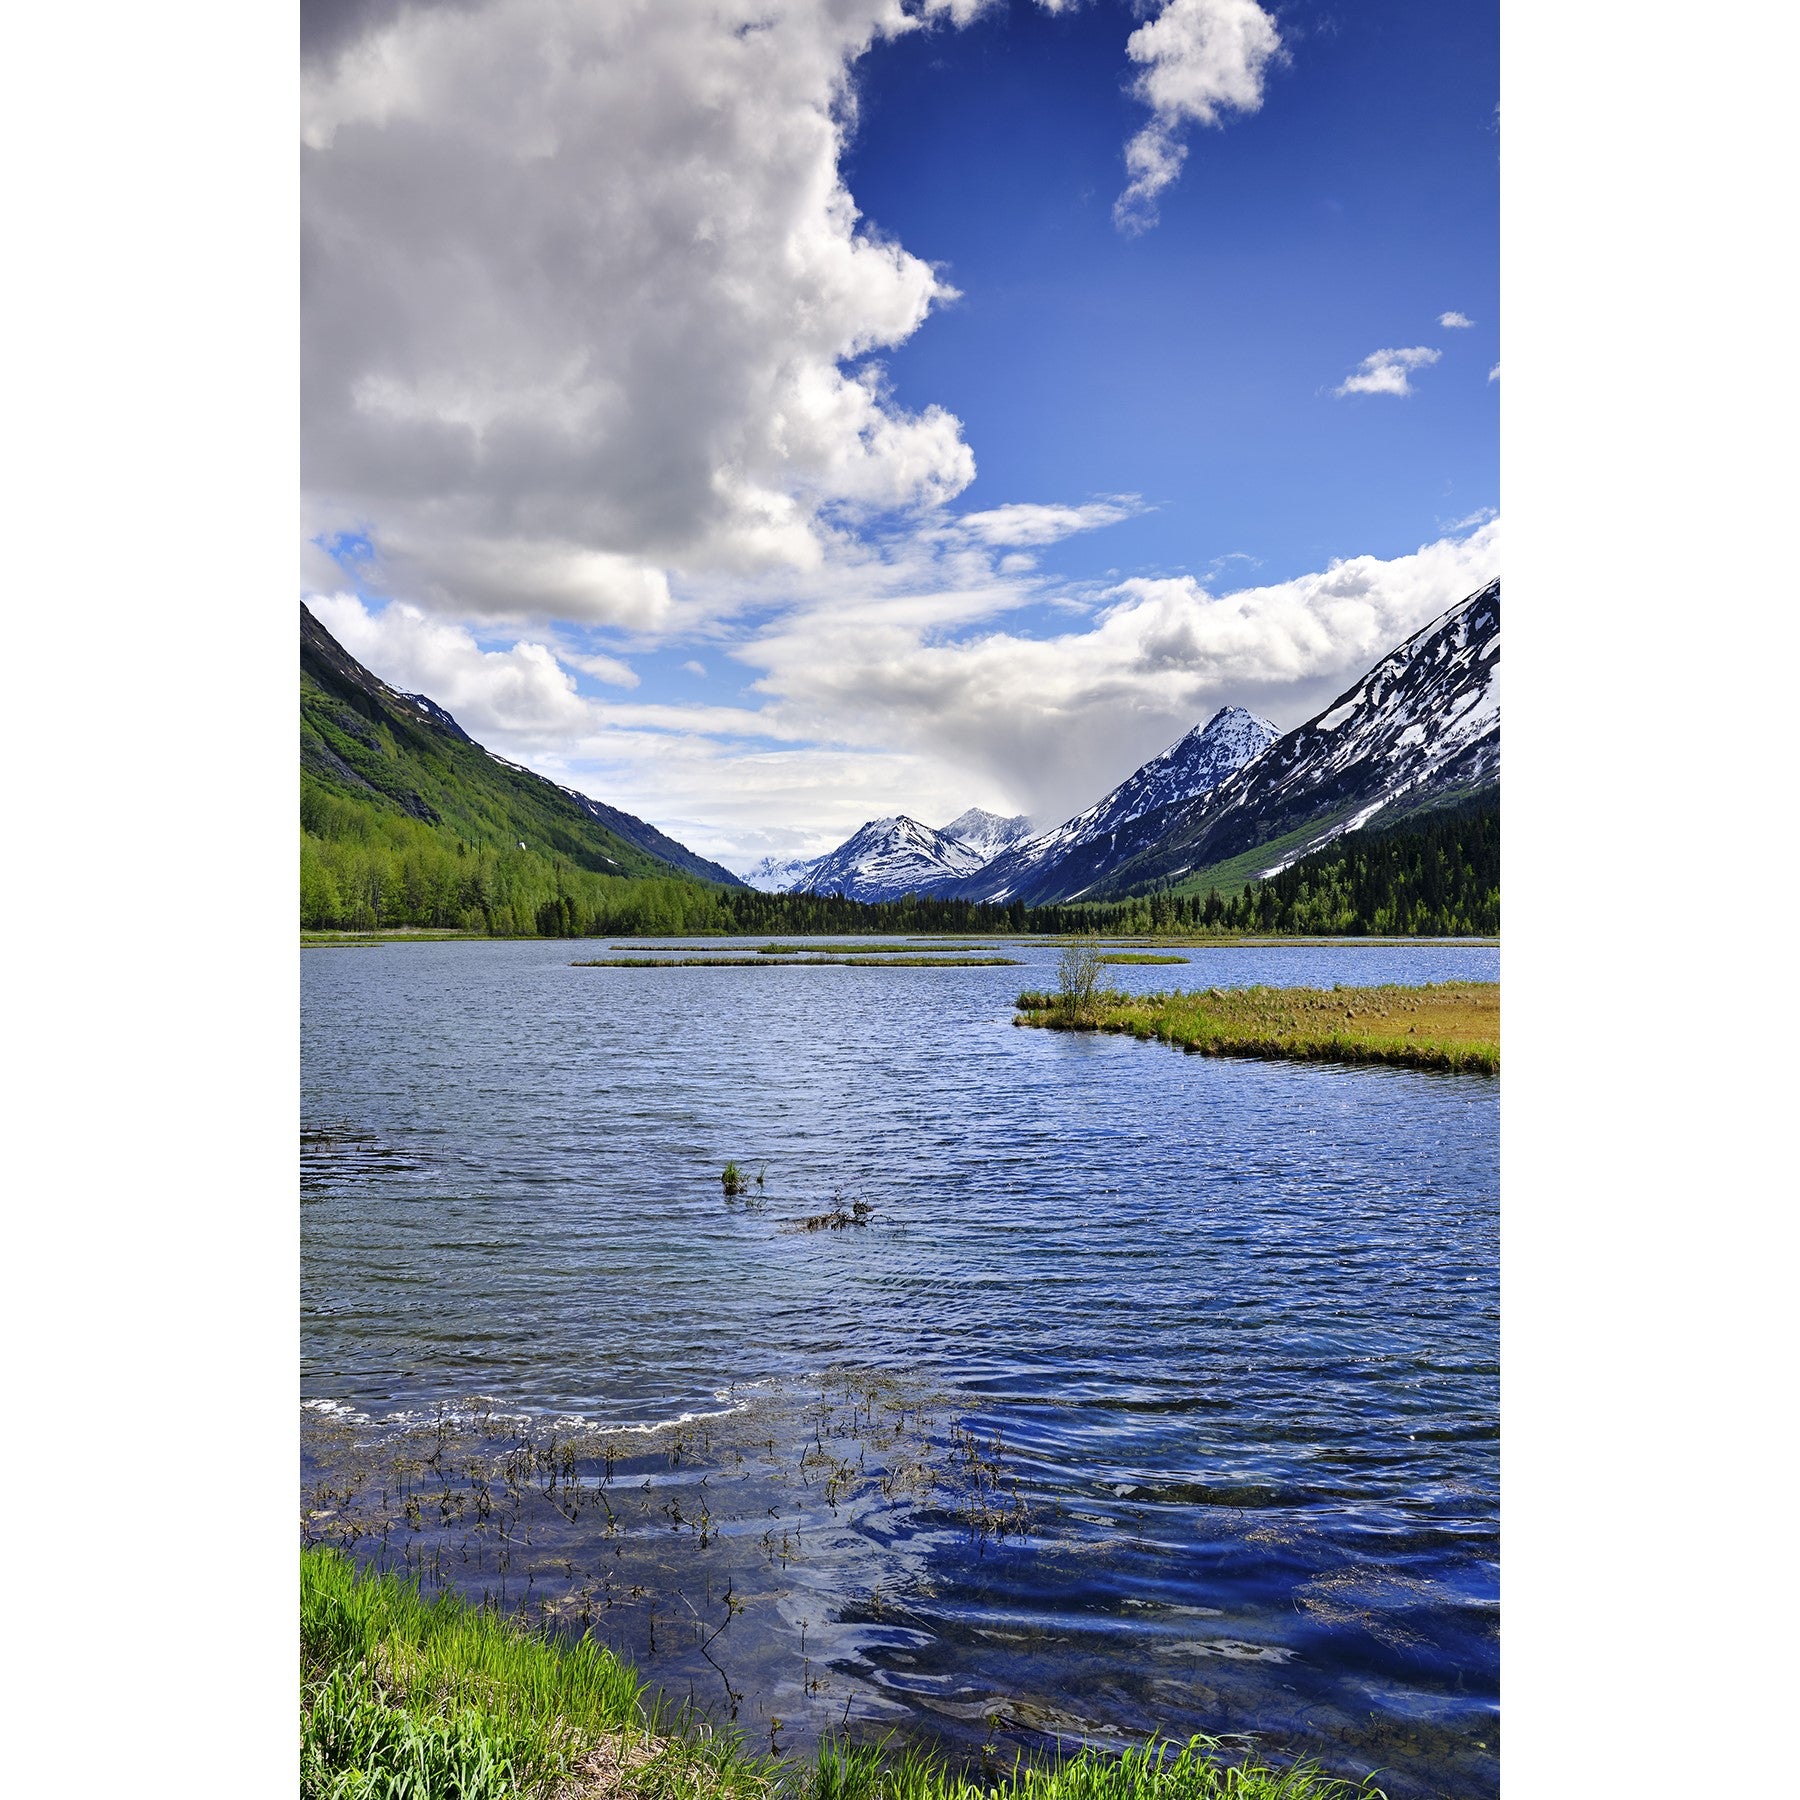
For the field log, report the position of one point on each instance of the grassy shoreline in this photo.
(408, 1699)
(1452, 1026)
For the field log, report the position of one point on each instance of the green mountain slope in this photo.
(405, 819)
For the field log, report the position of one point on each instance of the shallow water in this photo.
(1226, 1329)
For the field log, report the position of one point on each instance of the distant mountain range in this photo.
(889, 857)
(1231, 801)
(385, 751)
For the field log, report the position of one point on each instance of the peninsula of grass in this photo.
(798, 962)
(403, 1698)
(1140, 956)
(1452, 1025)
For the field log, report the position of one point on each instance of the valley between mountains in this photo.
(1388, 798)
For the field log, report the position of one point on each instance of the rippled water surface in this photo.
(1221, 1335)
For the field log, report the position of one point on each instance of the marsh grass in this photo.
(404, 1698)
(860, 949)
(799, 961)
(1453, 1025)
(1140, 956)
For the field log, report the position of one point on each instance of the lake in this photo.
(1154, 1393)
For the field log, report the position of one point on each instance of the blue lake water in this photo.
(1220, 1336)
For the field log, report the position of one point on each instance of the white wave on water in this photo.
(471, 1415)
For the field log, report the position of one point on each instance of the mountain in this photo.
(781, 874)
(890, 857)
(368, 750)
(1418, 734)
(986, 833)
(1061, 864)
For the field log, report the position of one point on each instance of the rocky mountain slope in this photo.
(890, 857)
(1061, 863)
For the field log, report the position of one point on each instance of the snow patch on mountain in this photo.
(987, 833)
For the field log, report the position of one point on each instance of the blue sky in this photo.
(1195, 364)
(674, 478)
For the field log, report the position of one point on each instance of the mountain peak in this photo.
(988, 833)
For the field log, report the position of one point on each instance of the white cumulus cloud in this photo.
(521, 692)
(1387, 371)
(1455, 321)
(1201, 61)
(587, 301)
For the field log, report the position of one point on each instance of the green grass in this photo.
(404, 1698)
(1452, 1025)
(1139, 956)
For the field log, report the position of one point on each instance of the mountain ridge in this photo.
(376, 745)
(1419, 730)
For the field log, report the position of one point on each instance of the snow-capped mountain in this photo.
(1080, 851)
(781, 874)
(887, 858)
(987, 833)
(1420, 730)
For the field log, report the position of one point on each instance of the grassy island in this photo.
(1452, 1025)
(759, 961)
(408, 1699)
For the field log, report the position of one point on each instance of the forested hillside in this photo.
(405, 820)
(1435, 876)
